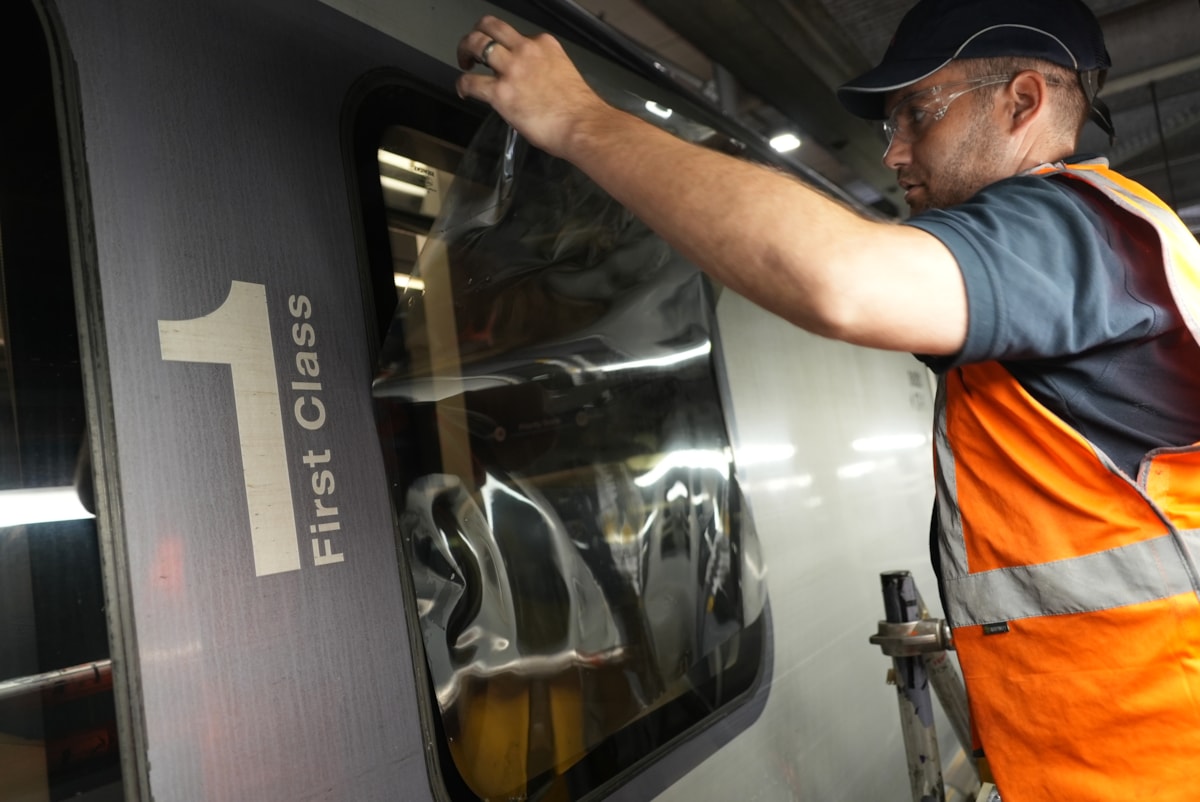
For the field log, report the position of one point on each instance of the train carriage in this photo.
(400, 462)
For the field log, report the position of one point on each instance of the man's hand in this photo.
(534, 85)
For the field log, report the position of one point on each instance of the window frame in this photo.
(377, 103)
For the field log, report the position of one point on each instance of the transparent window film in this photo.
(57, 716)
(586, 575)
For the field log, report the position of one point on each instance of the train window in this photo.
(57, 714)
(584, 571)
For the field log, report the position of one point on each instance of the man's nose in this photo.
(896, 154)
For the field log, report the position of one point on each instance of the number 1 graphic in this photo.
(238, 334)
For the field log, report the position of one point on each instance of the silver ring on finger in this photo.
(486, 52)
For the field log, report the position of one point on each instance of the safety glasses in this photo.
(913, 115)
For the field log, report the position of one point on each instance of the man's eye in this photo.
(917, 116)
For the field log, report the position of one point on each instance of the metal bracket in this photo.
(913, 638)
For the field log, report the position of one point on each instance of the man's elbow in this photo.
(826, 312)
(860, 319)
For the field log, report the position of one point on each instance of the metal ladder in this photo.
(918, 646)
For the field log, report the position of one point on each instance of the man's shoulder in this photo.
(1049, 204)
(1022, 205)
(1050, 183)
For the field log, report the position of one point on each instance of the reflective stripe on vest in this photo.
(1146, 556)
(1140, 572)
(1179, 246)
(1073, 587)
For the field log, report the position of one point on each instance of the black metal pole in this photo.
(1162, 141)
(901, 604)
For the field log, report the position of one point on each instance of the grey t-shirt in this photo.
(1077, 309)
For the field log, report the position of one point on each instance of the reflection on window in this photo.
(57, 718)
(586, 577)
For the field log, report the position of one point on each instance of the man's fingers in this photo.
(501, 31)
(478, 48)
(469, 48)
(476, 85)
(495, 56)
(487, 30)
(529, 82)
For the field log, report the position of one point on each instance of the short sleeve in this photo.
(1045, 274)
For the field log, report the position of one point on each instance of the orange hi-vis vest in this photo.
(1071, 586)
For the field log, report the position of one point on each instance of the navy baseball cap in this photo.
(935, 32)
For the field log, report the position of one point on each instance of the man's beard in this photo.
(970, 167)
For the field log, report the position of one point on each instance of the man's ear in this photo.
(1026, 97)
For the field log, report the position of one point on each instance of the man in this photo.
(1060, 304)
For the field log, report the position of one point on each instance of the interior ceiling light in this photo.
(785, 142)
(395, 160)
(403, 162)
(403, 186)
(407, 282)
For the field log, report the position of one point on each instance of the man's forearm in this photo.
(779, 242)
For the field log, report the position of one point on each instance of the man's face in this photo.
(946, 144)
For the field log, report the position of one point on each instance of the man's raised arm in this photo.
(767, 236)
